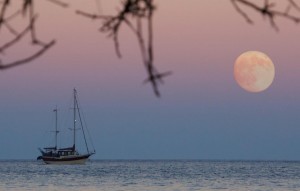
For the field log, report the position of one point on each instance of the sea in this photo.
(150, 175)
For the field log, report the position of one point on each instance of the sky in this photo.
(202, 114)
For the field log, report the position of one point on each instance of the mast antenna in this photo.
(74, 127)
(56, 130)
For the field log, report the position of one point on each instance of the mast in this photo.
(82, 128)
(81, 124)
(74, 128)
(56, 131)
(76, 107)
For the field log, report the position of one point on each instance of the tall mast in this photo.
(74, 128)
(56, 131)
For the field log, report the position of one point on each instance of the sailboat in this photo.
(69, 155)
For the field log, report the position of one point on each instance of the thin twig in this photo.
(268, 11)
(59, 3)
(28, 59)
(27, 8)
(138, 10)
(15, 40)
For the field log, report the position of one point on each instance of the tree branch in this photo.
(267, 10)
(28, 59)
(27, 7)
(59, 3)
(139, 10)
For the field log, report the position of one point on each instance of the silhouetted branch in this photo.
(3, 9)
(92, 16)
(138, 10)
(295, 5)
(15, 40)
(28, 59)
(60, 3)
(241, 12)
(27, 8)
(5, 22)
(267, 10)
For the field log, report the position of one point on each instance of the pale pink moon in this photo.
(254, 71)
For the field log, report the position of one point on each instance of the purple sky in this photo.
(203, 113)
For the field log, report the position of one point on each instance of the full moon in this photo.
(254, 71)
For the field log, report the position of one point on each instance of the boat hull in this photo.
(76, 159)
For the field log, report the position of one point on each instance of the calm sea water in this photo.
(150, 175)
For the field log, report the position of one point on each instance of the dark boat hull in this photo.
(72, 159)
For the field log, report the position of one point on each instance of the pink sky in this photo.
(198, 40)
